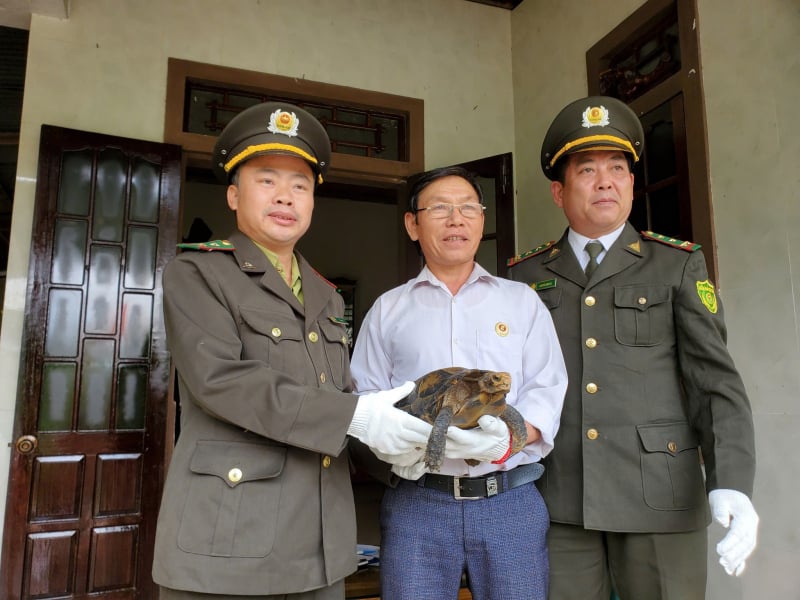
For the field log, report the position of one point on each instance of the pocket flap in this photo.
(334, 332)
(641, 297)
(238, 462)
(551, 297)
(671, 438)
(273, 325)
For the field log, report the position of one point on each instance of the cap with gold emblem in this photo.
(271, 128)
(593, 123)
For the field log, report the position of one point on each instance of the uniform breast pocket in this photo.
(232, 499)
(271, 337)
(642, 314)
(334, 337)
(670, 462)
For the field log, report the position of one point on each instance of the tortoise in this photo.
(459, 396)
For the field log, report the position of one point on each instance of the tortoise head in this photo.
(495, 382)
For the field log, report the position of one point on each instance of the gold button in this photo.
(591, 343)
(276, 332)
(344, 340)
(589, 301)
(592, 434)
(326, 461)
(672, 446)
(322, 377)
(235, 475)
(313, 337)
(591, 388)
(642, 300)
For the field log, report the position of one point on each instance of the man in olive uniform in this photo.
(650, 382)
(258, 500)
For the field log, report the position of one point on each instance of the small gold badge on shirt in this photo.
(501, 329)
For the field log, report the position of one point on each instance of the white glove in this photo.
(487, 442)
(382, 427)
(411, 472)
(734, 509)
(405, 459)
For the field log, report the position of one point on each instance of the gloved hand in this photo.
(734, 509)
(411, 472)
(382, 427)
(405, 459)
(488, 442)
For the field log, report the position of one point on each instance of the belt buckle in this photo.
(491, 488)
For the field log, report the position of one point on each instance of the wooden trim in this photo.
(343, 166)
(686, 82)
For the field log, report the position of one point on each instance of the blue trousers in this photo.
(429, 539)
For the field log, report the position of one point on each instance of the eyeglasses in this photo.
(442, 210)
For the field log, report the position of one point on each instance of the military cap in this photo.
(593, 123)
(271, 128)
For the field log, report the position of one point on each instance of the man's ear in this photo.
(411, 226)
(557, 190)
(232, 194)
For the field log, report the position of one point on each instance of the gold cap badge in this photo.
(283, 122)
(595, 116)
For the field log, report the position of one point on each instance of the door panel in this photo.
(87, 467)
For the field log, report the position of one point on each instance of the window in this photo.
(374, 136)
(651, 61)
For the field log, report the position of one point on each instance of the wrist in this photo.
(506, 456)
(358, 424)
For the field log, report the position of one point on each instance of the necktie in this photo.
(593, 248)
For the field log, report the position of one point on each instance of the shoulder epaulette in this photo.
(525, 255)
(223, 245)
(680, 244)
(328, 281)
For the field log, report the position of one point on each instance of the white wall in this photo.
(104, 69)
(750, 56)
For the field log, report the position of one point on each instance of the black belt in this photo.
(485, 486)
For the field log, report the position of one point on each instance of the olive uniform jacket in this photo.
(650, 382)
(258, 498)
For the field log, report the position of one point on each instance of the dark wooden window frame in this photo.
(686, 82)
(344, 167)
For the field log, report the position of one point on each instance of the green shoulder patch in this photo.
(705, 289)
(525, 255)
(669, 241)
(223, 245)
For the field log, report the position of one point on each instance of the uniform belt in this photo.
(485, 486)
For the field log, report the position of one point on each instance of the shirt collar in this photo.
(578, 241)
(297, 284)
(478, 274)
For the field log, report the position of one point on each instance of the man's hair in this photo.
(429, 177)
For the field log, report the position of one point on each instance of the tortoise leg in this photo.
(434, 453)
(516, 425)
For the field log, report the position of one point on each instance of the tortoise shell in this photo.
(459, 396)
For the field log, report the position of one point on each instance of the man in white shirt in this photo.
(455, 314)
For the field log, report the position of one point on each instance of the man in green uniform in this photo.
(258, 500)
(651, 383)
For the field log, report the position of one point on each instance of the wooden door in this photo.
(87, 464)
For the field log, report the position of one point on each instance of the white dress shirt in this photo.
(492, 324)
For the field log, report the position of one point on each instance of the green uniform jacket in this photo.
(258, 497)
(650, 381)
